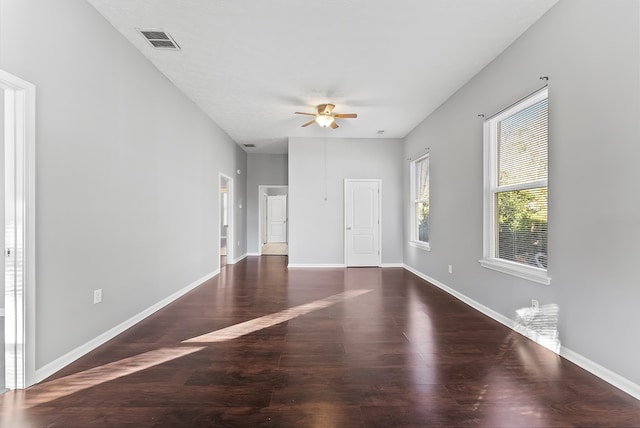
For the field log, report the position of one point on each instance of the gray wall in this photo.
(263, 169)
(316, 233)
(2, 205)
(591, 52)
(127, 173)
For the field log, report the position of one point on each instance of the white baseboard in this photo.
(237, 259)
(337, 265)
(254, 254)
(478, 306)
(58, 364)
(392, 265)
(315, 266)
(2, 312)
(603, 373)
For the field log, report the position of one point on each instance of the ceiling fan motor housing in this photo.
(325, 116)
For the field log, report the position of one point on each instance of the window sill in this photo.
(421, 245)
(525, 272)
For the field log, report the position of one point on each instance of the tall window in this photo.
(516, 164)
(420, 201)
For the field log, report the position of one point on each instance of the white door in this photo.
(362, 223)
(277, 218)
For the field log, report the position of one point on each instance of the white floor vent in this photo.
(159, 39)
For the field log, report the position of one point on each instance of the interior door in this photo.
(277, 218)
(362, 223)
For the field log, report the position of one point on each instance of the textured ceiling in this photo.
(249, 64)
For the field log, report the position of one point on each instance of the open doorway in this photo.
(2, 269)
(18, 140)
(226, 219)
(273, 228)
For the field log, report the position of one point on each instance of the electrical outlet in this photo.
(535, 305)
(450, 269)
(97, 296)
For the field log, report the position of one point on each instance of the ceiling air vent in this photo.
(249, 146)
(159, 39)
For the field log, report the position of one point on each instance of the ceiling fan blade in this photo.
(325, 108)
(346, 115)
(308, 123)
(334, 125)
(308, 114)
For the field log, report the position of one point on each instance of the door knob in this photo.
(348, 227)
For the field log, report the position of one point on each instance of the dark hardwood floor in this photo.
(263, 346)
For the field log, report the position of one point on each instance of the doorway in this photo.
(362, 222)
(226, 220)
(18, 123)
(273, 224)
(2, 268)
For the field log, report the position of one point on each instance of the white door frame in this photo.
(346, 183)
(20, 254)
(262, 209)
(230, 217)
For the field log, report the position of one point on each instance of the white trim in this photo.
(316, 266)
(414, 242)
(530, 185)
(517, 269)
(231, 236)
(59, 363)
(523, 103)
(254, 254)
(475, 305)
(392, 265)
(421, 245)
(20, 301)
(2, 312)
(236, 260)
(490, 189)
(603, 373)
(262, 188)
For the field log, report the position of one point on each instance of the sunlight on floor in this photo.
(58, 388)
(266, 321)
(49, 391)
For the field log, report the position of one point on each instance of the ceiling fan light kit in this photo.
(325, 117)
(325, 120)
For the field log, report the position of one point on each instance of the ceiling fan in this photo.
(325, 117)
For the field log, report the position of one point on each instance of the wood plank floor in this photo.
(263, 346)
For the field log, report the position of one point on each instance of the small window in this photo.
(420, 202)
(516, 165)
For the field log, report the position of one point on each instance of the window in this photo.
(420, 202)
(516, 164)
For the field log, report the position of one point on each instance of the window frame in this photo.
(491, 190)
(414, 240)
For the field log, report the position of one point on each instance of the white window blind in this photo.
(420, 199)
(522, 186)
(517, 198)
